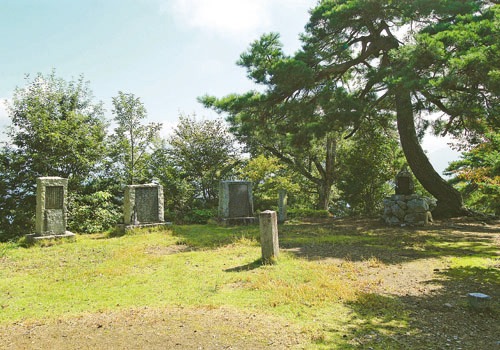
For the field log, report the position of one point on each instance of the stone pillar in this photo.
(282, 199)
(269, 236)
(51, 206)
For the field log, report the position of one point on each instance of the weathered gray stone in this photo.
(431, 202)
(416, 218)
(51, 206)
(392, 220)
(398, 212)
(418, 205)
(411, 209)
(143, 204)
(282, 206)
(235, 199)
(402, 205)
(269, 242)
(479, 300)
(387, 202)
(398, 197)
(404, 182)
(387, 211)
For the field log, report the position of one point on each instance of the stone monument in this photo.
(236, 202)
(51, 208)
(404, 182)
(405, 207)
(143, 205)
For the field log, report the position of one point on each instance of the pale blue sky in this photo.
(167, 52)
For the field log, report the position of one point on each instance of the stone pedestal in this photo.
(411, 209)
(269, 236)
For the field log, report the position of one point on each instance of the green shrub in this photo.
(199, 216)
(93, 213)
(307, 213)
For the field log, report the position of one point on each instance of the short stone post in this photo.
(282, 199)
(269, 236)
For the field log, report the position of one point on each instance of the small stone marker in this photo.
(478, 300)
(282, 199)
(404, 182)
(268, 223)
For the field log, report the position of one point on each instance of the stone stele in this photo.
(51, 206)
(143, 204)
(236, 201)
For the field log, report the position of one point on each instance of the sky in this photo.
(166, 52)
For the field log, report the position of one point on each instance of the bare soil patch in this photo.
(149, 328)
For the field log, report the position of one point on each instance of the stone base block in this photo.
(69, 236)
(241, 221)
(479, 300)
(125, 228)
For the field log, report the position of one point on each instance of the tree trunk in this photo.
(327, 173)
(449, 200)
(324, 191)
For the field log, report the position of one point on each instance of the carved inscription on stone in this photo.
(239, 205)
(146, 204)
(51, 205)
(54, 197)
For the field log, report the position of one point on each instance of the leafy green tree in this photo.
(368, 162)
(132, 140)
(180, 193)
(355, 65)
(477, 175)
(206, 152)
(268, 176)
(291, 131)
(56, 130)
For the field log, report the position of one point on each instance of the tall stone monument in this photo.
(143, 205)
(51, 208)
(236, 202)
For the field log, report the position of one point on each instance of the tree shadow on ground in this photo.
(443, 319)
(248, 267)
(364, 239)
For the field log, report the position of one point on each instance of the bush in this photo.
(93, 213)
(199, 216)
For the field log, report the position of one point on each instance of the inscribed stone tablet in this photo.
(54, 197)
(239, 201)
(146, 204)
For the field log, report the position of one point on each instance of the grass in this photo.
(319, 282)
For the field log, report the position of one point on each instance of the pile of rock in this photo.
(400, 209)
